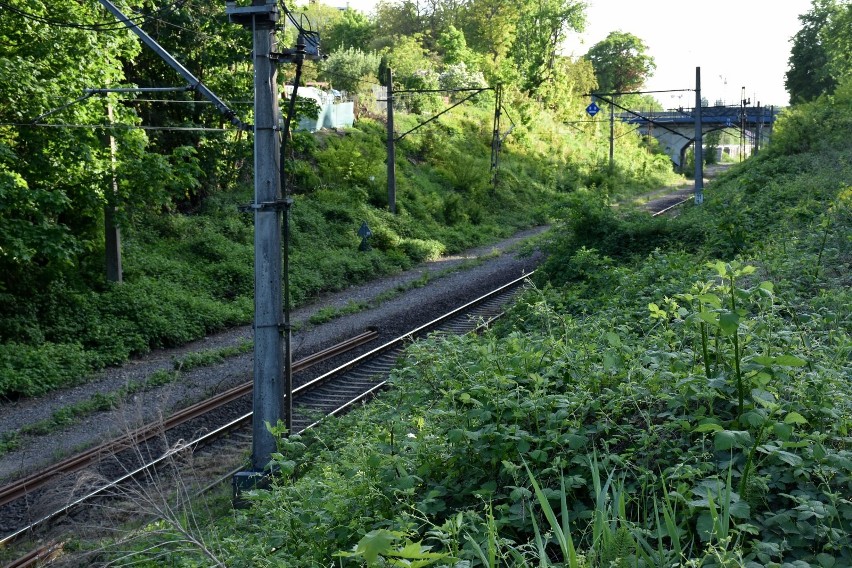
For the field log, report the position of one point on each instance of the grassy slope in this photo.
(679, 428)
(191, 274)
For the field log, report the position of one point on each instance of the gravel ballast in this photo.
(449, 282)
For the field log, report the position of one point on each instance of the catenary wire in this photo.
(102, 27)
(344, 76)
(119, 127)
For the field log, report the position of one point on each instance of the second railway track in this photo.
(329, 393)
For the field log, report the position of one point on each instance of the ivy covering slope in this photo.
(681, 405)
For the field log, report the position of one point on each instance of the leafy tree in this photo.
(453, 48)
(491, 27)
(216, 53)
(542, 28)
(570, 79)
(838, 42)
(353, 30)
(621, 62)
(406, 56)
(398, 19)
(53, 179)
(350, 69)
(809, 74)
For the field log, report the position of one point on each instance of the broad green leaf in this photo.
(764, 360)
(374, 543)
(575, 441)
(724, 440)
(611, 361)
(754, 418)
(783, 431)
(613, 339)
(704, 526)
(795, 418)
(788, 458)
(539, 455)
(740, 509)
(710, 317)
(720, 267)
(711, 300)
(708, 427)
(416, 551)
(729, 322)
(727, 439)
(790, 361)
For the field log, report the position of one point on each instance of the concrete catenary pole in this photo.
(612, 135)
(268, 385)
(391, 147)
(699, 142)
(261, 18)
(112, 232)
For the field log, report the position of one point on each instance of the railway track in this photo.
(330, 393)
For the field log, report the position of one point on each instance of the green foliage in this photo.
(348, 69)
(542, 28)
(591, 224)
(353, 31)
(621, 63)
(641, 407)
(453, 48)
(819, 57)
(34, 370)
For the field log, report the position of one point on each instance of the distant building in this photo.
(334, 112)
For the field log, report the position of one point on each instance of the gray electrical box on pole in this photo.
(261, 18)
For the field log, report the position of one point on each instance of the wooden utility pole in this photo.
(391, 147)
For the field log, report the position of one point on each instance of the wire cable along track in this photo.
(329, 394)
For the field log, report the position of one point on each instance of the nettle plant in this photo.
(779, 420)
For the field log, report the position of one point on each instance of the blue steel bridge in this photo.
(675, 129)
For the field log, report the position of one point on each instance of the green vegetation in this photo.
(672, 392)
(74, 413)
(669, 402)
(819, 58)
(187, 251)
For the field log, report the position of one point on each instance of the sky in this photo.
(736, 43)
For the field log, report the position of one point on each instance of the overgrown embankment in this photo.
(188, 269)
(672, 393)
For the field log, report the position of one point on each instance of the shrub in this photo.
(27, 370)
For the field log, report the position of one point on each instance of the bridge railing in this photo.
(709, 115)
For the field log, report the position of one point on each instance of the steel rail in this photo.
(670, 207)
(301, 390)
(24, 486)
(44, 553)
(382, 384)
(340, 409)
